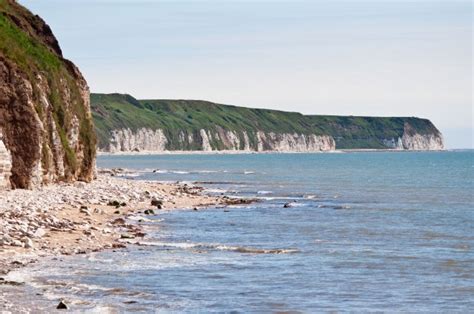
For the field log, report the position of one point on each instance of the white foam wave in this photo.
(215, 191)
(221, 247)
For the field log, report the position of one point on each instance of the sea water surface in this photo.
(368, 231)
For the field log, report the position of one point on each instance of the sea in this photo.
(361, 232)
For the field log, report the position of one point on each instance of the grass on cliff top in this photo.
(117, 111)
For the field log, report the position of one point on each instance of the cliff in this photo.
(124, 124)
(46, 128)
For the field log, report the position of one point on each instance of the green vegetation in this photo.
(117, 111)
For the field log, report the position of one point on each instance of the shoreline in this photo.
(245, 152)
(82, 218)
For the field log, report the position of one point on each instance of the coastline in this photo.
(246, 152)
(81, 218)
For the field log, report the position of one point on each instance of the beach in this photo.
(80, 218)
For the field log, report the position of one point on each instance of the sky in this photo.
(340, 57)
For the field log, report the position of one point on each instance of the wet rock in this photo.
(118, 221)
(156, 202)
(288, 205)
(62, 306)
(149, 212)
(118, 246)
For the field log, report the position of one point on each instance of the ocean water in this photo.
(390, 232)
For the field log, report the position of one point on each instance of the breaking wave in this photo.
(221, 247)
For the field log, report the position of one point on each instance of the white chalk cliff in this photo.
(144, 139)
(5, 164)
(220, 139)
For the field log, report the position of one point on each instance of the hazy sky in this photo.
(380, 58)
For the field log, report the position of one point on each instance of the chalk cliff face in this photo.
(412, 140)
(125, 140)
(5, 164)
(124, 123)
(46, 129)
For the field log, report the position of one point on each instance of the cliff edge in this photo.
(125, 124)
(46, 128)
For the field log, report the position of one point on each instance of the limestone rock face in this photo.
(413, 140)
(126, 140)
(284, 142)
(5, 165)
(142, 140)
(45, 118)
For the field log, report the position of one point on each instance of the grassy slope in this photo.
(115, 111)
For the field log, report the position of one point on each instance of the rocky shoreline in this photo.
(79, 218)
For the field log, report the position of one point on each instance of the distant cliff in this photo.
(125, 124)
(46, 129)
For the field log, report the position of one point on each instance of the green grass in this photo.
(117, 111)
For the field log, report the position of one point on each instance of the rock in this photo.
(79, 184)
(126, 236)
(40, 146)
(84, 210)
(99, 211)
(18, 243)
(149, 212)
(114, 203)
(156, 202)
(288, 205)
(62, 306)
(195, 208)
(39, 233)
(28, 243)
(118, 221)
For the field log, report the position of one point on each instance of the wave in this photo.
(249, 172)
(171, 171)
(265, 192)
(335, 206)
(216, 191)
(221, 247)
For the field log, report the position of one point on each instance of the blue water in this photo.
(366, 232)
